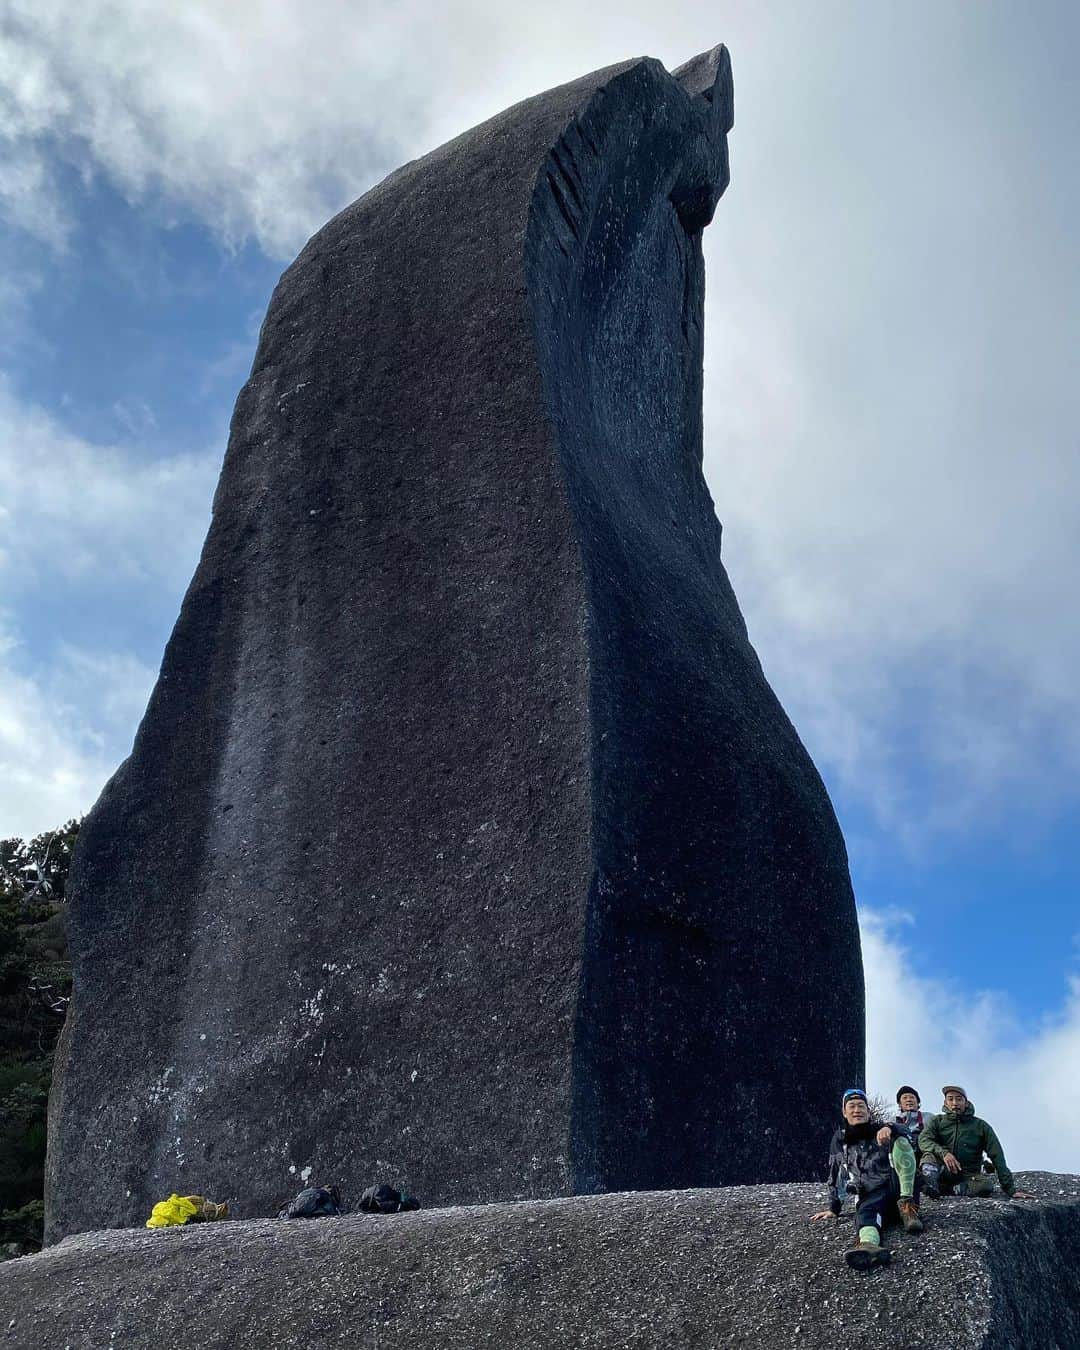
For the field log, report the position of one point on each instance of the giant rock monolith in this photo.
(463, 842)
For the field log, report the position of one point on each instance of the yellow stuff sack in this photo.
(177, 1209)
(186, 1209)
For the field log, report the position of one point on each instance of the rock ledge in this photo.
(700, 1268)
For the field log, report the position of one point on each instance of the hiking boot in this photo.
(866, 1255)
(980, 1185)
(909, 1216)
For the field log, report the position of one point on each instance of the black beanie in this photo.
(906, 1088)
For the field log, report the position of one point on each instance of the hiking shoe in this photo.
(866, 1255)
(909, 1216)
(980, 1186)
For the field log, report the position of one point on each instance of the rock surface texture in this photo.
(739, 1267)
(463, 843)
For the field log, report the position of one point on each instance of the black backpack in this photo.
(387, 1200)
(317, 1202)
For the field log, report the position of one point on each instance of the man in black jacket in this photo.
(880, 1163)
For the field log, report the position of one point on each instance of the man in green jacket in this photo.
(952, 1147)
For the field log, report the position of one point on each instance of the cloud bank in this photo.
(77, 512)
(83, 528)
(891, 410)
(925, 1032)
(61, 736)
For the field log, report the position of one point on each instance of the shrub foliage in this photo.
(35, 984)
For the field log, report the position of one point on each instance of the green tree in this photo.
(35, 983)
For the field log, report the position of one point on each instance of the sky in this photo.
(890, 417)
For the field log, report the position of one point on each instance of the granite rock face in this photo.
(695, 1269)
(463, 843)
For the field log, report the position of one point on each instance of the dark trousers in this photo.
(945, 1182)
(878, 1207)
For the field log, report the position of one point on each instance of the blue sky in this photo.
(891, 414)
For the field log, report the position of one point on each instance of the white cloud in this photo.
(891, 416)
(63, 734)
(1024, 1080)
(79, 525)
(907, 586)
(258, 117)
(136, 417)
(29, 199)
(74, 512)
(119, 686)
(892, 289)
(262, 117)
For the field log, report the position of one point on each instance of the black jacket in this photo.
(864, 1162)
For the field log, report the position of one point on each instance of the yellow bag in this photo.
(177, 1209)
(180, 1209)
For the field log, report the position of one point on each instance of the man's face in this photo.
(955, 1101)
(856, 1111)
(908, 1101)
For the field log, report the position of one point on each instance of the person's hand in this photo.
(823, 1214)
(1022, 1195)
(951, 1163)
(884, 1135)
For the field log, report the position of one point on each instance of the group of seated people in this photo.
(888, 1165)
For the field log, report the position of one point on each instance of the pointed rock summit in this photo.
(463, 843)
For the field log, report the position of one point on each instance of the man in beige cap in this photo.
(953, 1145)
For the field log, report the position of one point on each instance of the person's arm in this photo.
(929, 1140)
(836, 1157)
(993, 1150)
(835, 1203)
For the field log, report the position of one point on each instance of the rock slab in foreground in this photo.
(463, 843)
(741, 1266)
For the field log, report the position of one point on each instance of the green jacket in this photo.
(967, 1138)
